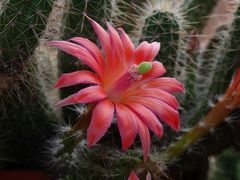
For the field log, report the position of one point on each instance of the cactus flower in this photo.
(124, 80)
(232, 94)
(133, 176)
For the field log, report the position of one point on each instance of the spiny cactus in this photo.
(211, 52)
(21, 24)
(199, 53)
(198, 11)
(45, 60)
(230, 61)
(161, 21)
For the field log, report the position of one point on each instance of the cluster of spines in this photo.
(207, 59)
(21, 24)
(161, 21)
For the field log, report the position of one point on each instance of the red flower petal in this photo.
(103, 38)
(148, 118)
(89, 94)
(142, 52)
(155, 93)
(101, 120)
(162, 110)
(236, 80)
(144, 136)
(156, 71)
(170, 85)
(155, 47)
(77, 77)
(117, 47)
(126, 125)
(128, 46)
(133, 176)
(92, 48)
(79, 52)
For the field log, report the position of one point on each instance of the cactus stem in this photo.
(218, 114)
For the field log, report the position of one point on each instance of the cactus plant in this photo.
(199, 47)
(21, 24)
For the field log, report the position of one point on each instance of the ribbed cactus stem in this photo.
(161, 21)
(163, 27)
(213, 43)
(46, 59)
(213, 119)
(20, 27)
(3, 5)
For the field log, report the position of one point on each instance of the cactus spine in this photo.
(161, 21)
(21, 24)
(46, 59)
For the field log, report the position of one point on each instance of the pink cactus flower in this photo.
(133, 176)
(126, 81)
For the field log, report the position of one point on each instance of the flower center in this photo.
(133, 74)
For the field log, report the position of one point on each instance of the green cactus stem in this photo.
(198, 11)
(21, 24)
(163, 27)
(45, 59)
(216, 115)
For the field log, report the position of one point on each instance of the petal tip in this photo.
(59, 104)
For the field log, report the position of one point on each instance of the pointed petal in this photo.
(133, 176)
(142, 52)
(87, 95)
(148, 118)
(165, 112)
(128, 46)
(117, 47)
(155, 93)
(145, 138)
(126, 125)
(170, 85)
(101, 120)
(79, 52)
(92, 48)
(148, 177)
(156, 71)
(77, 77)
(103, 38)
(155, 47)
(236, 79)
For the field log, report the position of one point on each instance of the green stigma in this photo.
(144, 67)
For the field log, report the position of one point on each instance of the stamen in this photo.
(133, 74)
